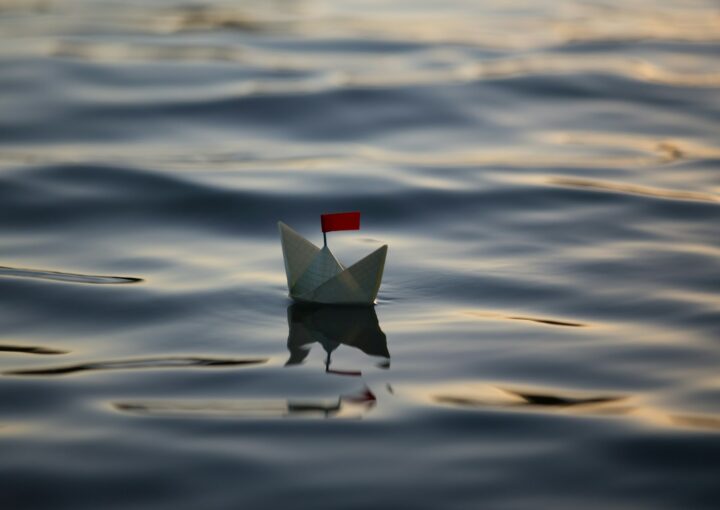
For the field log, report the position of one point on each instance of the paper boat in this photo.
(314, 275)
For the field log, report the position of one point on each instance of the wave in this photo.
(67, 277)
(136, 364)
(318, 74)
(30, 349)
(634, 189)
(538, 320)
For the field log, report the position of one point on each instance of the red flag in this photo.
(340, 221)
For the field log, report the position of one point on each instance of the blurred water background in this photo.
(546, 174)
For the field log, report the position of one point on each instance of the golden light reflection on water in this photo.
(665, 149)
(633, 189)
(504, 396)
(521, 26)
(665, 419)
(493, 27)
(559, 151)
(496, 24)
(390, 72)
(344, 407)
(15, 428)
(538, 320)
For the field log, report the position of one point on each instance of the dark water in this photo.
(546, 174)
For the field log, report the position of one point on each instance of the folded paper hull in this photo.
(315, 276)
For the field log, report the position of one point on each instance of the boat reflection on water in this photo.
(331, 326)
(354, 405)
(328, 325)
(347, 406)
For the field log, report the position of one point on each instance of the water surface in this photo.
(544, 173)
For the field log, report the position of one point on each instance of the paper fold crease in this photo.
(314, 275)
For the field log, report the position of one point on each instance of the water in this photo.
(545, 174)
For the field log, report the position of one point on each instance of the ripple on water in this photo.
(136, 364)
(67, 277)
(30, 349)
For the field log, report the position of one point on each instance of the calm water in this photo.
(546, 174)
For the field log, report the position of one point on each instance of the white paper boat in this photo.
(314, 275)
